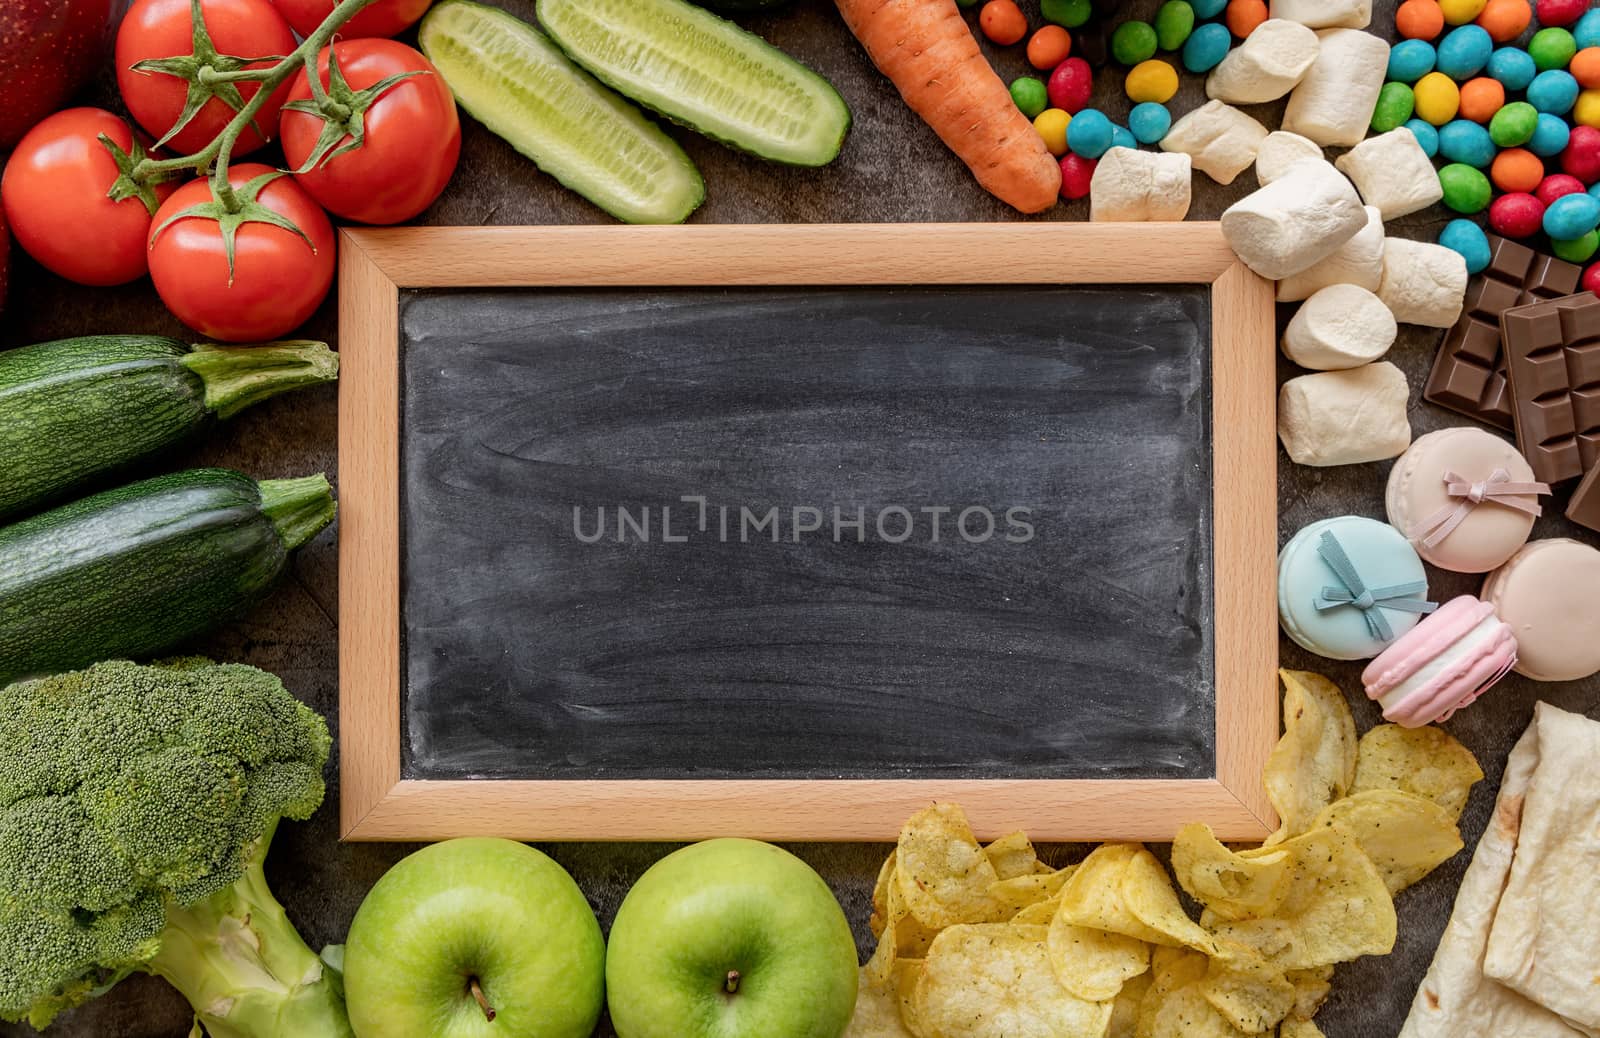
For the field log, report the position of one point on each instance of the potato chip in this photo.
(943, 874)
(1231, 885)
(903, 937)
(1406, 836)
(1249, 992)
(1121, 888)
(1125, 1009)
(1311, 988)
(1186, 1014)
(1041, 914)
(1019, 892)
(1426, 762)
(1012, 855)
(1314, 763)
(1337, 908)
(1170, 970)
(877, 1014)
(880, 895)
(1148, 893)
(1094, 964)
(995, 981)
(1293, 1028)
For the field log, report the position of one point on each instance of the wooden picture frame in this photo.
(375, 264)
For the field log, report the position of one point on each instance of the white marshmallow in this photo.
(1222, 140)
(1279, 151)
(1298, 219)
(1325, 14)
(1342, 326)
(1136, 186)
(1333, 104)
(1267, 65)
(1393, 173)
(1345, 417)
(1422, 283)
(1359, 261)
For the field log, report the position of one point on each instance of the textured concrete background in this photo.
(892, 169)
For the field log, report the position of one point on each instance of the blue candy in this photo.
(1122, 138)
(1463, 141)
(1206, 47)
(1090, 134)
(1513, 68)
(1149, 122)
(1207, 8)
(1553, 91)
(1550, 136)
(1572, 216)
(1587, 31)
(1426, 136)
(1411, 60)
(1468, 239)
(1465, 51)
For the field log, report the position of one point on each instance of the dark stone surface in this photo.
(892, 169)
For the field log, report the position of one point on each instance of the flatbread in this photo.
(1545, 942)
(1456, 1000)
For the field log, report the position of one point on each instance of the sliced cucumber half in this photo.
(705, 72)
(519, 84)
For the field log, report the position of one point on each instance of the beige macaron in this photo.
(1490, 530)
(1549, 592)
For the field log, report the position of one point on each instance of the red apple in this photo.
(48, 49)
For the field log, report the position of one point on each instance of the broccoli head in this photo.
(136, 807)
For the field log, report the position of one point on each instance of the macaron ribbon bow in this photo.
(1355, 592)
(1497, 488)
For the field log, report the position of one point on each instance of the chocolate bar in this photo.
(1552, 353)
(1584, 508)
(1469, 374)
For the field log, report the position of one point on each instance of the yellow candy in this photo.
(1437, 98)
(1152, 80)
(1052, 126)
(1587, 111)
(1460, 12)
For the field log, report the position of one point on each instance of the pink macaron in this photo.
(1442, 664)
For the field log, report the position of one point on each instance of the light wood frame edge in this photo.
(377, 804)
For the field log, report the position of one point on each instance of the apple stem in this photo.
(731, 986)
(483, 1003)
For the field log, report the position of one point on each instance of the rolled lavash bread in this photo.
(1345, 417)
(1220, 139)
(1341, 326)
(1278, 151)
(1358, 261)
(1393, 173)
(1267, 65)
(1136, 186)
(1422, 283)
(1325, 14)
(1295, 221)
(1333, 104)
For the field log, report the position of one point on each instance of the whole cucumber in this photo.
(132, 572)
(76, 409)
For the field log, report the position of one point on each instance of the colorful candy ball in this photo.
(1587, 111)
(1587, 32)
(1481, 98)
(1572, 216)
(1516, 215)
(1437, 98)
(1052, 125)
(1468, 239)
(1133, 42)
(1090, 134)
(1460, 12)
(1410, 60)
(1419, 19)
(1206, 47)
(1204, 9)
(1395, 105)
(1513, 68)
(1466, 189)
(1552, 48)
(1577, 250)
(1467, 142)
(1517, 169)
(1030, 95)
(1561, 12)
(1003, 22)
(1553, 91)
(1582, 157)
(1152, 80)
(1591, 279)
(1465, 51)
(1067, 13)
(1585, 67)
(1244, 15)
(1077, 173)
(1426, 136)
(1071, 85)
(1505, 20)
(1550, 136)
(1555, 186)
(1049, 47)
(1122, 137)
(1513, 125)
(1174, 23)
(1149, 122)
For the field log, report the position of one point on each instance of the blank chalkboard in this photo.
(848, 535)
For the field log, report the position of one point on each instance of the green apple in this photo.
(475, 939)
(731, 939)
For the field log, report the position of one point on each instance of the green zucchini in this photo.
(521, 86)
(76, 409)
(132, 572)
(705, 72)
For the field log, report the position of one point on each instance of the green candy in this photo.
(1579, 249)
(1514, 125)
(1174, 23)
(1552, 48)
(1133, 42)
(1070, 13)
(1030, 95)
(1396, 102)
(1466, 190)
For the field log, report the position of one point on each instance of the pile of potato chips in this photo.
(989, 941)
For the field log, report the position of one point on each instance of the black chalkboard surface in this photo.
(872, 532)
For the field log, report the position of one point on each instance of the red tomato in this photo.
(384, 18)
(162, 29)
(278, 279)
(48, 49)
(410, 146)
(55, 196)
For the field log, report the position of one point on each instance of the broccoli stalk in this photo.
(244, 968)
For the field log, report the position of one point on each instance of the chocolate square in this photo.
(1552, 353)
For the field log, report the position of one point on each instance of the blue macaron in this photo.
(1349, 586)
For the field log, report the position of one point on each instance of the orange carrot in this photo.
(927, 51)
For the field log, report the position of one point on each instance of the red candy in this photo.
(1561, 12)
(1517, 215)
(1071, 85)
(1582, 157)
(1591, 279)
(1076, 173)
(1556, 185)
